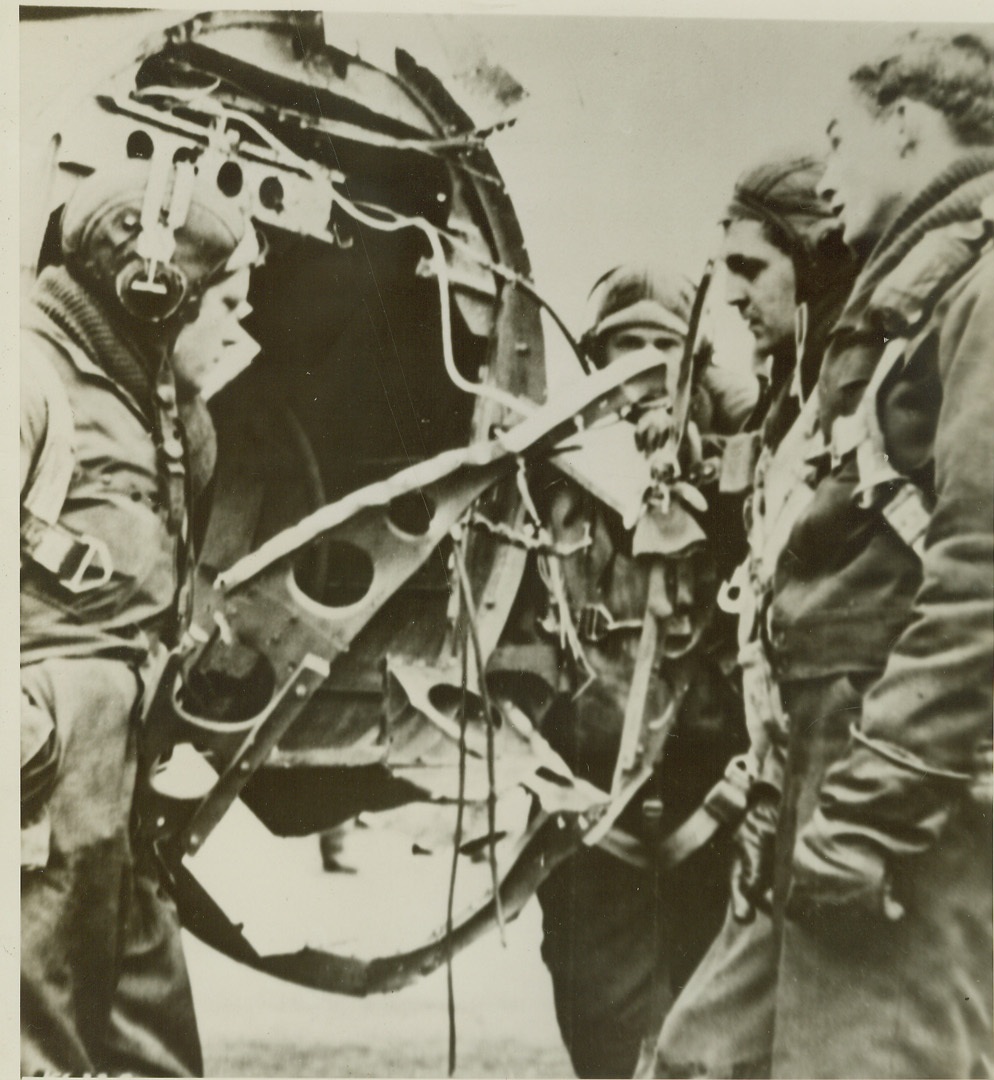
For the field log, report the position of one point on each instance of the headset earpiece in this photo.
(189, 309)
(151, 288)
(151, 293)
(592, 348)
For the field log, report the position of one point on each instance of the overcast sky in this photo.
(637, 128)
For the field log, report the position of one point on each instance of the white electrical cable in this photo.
(522, 406)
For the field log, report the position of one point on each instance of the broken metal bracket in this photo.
(271, 725)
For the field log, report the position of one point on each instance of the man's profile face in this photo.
(201, 344)
(760, 284)
(863, 177)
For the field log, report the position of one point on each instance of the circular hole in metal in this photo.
(348, 579)
(228, 683)
(229, 179)
(448, 699)
(271, 194)
(411, 513)
(140, 146)
(184, 153)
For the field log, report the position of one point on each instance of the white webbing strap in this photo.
(79, 562)
(899, 501)
(48, 483)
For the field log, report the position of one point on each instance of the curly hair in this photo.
(952, 74)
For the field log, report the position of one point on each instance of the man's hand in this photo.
(755, 850)
(839, 881)
(879, 807)
(654, 427)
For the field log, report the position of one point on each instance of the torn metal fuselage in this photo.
(395, 398)
(423, 740)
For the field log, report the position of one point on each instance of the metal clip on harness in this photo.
(594, 623)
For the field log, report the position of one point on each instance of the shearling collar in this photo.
(87, 322)
(932, 242)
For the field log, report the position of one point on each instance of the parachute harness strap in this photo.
(551, 574)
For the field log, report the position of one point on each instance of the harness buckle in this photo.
(594, 622)
(94, 568)
(79, 562)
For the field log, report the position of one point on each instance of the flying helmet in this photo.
(155, 234)
(634, 295)
(783, 196)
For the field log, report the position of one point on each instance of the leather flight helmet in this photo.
(635, 295)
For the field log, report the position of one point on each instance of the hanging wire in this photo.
(521, 282)
(470, 613)
(457, 839)
(394, 222)
(517, 538)
(522, 406)
(189, 95)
